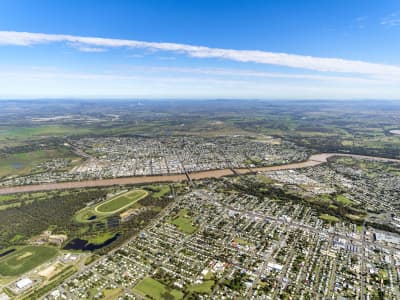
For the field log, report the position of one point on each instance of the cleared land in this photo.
(153, 289)
(25, 259)
(121, 202)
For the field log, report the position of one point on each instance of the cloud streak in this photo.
(320, 64)
(392, 20)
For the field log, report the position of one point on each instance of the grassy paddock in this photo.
(25, 259)
(156, 290)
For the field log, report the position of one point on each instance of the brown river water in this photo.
(313, 160)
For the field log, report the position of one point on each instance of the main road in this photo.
(313, 160)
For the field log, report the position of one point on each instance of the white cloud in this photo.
(262, 57)
(85, 48)
(391, 20)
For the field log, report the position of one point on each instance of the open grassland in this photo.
(121, 202)
(25, 259)
(153, 289)
(25, 133)
(112, 294)
(202, 288)
(28, 162)
(183, 222)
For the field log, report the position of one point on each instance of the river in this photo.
(313, 160)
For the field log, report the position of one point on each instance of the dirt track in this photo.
(313, 160)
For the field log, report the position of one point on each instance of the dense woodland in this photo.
(34, 216)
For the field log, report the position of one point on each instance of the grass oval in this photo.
(121, 202)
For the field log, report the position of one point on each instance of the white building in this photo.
(24, 283)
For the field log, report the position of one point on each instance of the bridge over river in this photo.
(313, 160)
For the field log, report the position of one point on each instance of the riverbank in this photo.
(312, 161)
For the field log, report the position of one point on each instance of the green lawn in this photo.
(153, 289)
(120, 202)
(183, 222)
(344, 200)
(329, 218)
(8, 197)
(160, 191)
(100, 238)
(202, 288)
(25, 259)
(110, 294)
(84, 215)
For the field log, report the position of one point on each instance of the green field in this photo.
(183, 222)
(100, 238)
(344, 200)
(22, 133)
(153, 289)
(202, 288)
(83, 216)
(158, 191)
(25, 259)
(26, 163)
(329, 218)
(121, 202)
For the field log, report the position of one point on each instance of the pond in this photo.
(79, 244)
(18, 166)
(7, 252)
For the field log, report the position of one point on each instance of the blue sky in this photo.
(322, 49)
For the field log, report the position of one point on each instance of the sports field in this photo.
(183, 222)
(121, 202)
(25, 259)
(155, 290)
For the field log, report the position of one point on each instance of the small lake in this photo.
(7, 252)
(18, 166)
(395, 131)
(83, 245)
